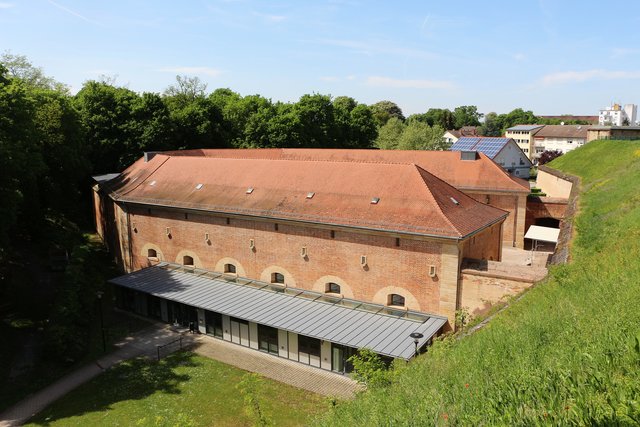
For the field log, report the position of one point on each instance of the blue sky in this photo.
(552, 57)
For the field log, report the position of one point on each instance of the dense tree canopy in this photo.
(413, 135)
(385, 110)
(496, 124)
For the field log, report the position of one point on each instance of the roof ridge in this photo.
(421, 173)
(303, 159)
(500, 168)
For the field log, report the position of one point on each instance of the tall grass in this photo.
(567, 353)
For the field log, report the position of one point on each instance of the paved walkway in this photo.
(143, 343)
(283, 370)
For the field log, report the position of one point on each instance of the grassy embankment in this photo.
(568, 352)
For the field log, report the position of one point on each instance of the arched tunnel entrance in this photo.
(548, 222)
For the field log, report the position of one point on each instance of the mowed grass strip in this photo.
(183, 389)
(567, 353)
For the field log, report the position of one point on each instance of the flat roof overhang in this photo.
(543, 234)
(338, 320)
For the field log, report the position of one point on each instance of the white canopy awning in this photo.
(543, 234)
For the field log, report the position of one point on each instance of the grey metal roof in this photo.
(525, 127)
(104, 178)
(341, 321)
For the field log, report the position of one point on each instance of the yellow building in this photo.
(523, 135)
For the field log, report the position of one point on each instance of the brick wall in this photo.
(552, 185)
(481, 292)
(513, 230)
(545, 207)
(484, 245)
(394, 263)
(389, 267)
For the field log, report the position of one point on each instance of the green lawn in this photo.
(182, 390)
(567, 353)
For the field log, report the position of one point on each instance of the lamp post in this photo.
(416, 338)
(104, 341)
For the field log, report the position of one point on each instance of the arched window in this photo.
(230, 268)
(332, 288)
(277, 278)
(187, 260)
(395, 299)
(152, 253)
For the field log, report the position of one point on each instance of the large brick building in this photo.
(373, 232)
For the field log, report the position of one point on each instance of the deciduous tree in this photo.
(385, 110)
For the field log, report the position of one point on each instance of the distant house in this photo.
(616, 115)
(503, 151)
(523, 135)
(613, 132)
(452, 136)
(559, 137)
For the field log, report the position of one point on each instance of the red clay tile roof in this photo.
(482, 174)
(411, 199)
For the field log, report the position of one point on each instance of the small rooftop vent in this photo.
(249, 190)
(148, 155)
(152, 183)
(455, 202)
(199, 186)
(310, 195)
(375, 200)
(468, 155)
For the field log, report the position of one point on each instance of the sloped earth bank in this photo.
(566, 353)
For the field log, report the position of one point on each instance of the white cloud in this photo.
(4, 5)
(407, 83)
(583, 76)
(619, 52)
(199, 71)
(273, 19)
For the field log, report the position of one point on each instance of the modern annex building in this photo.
(306, 254)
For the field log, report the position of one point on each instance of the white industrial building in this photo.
(618, 116)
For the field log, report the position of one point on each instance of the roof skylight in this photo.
(199, 186)
(375, 200)
(310, 195)
(249, 190)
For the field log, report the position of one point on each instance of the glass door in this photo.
(213, 323)
(268, 339)
(340, 355)
(309, 350)
(337, 358)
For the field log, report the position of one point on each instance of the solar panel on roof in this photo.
(489, 146)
